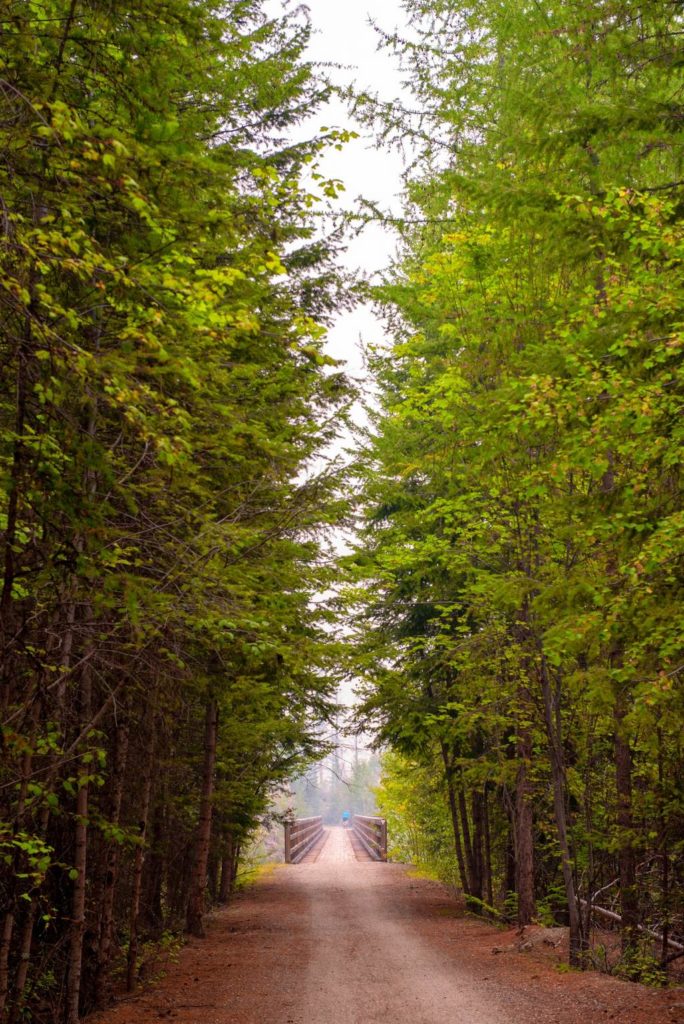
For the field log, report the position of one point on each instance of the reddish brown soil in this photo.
(340, 940)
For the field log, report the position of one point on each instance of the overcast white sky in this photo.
(344, 36)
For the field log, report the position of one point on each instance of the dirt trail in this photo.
(342, 940)
(367, 963)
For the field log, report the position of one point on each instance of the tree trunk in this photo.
(665, 853)
(523, 832)
(478, 843)
(78, 907)
(25, 942)
(510, 873)
(16, 473)
(213, 873)
(151, 912)
(227, 871)
(488, 884)
(139, 862)
(453, 810)
(78, 904)
(629, 902)
(553, 733)
(17, 863)
(5, 946)
(111, 871)
(66, 634)
(195, 912)
(468, 846)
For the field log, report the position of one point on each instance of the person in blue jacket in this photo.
(346, 818)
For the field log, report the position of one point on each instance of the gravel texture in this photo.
(342, 940)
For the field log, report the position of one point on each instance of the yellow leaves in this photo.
(542, 394)
(246, 321)
(652, 692)
(273, 264)
(16, 289)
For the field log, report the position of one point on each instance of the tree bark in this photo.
(453, 810)
(488, 884)
(227, 871)
(195, 912)
(478, 843)
(25, 943)
(467, 844)
(665, 853)
(111, 871)
(523, 832)
(553, 734)
(12, 518)
(138, 865)
(5, 946)
(629, 902)
(78, 904)
(11, 911)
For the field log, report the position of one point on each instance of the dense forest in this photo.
(163, 398)
(517, 583)
(172, 625)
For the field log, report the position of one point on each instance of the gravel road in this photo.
(368, 963)
(342, 940)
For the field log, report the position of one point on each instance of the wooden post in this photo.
(288, 842)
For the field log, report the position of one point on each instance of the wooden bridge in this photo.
(306, 838)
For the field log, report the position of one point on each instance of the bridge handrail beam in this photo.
(372, 833)
(301, 834)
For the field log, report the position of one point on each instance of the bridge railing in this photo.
(301, 834)
(372, 833)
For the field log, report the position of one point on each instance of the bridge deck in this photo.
(338, 846)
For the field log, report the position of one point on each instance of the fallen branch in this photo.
(612, 916)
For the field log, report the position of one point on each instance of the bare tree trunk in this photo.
(523, 832)
(28, 924)
(488, 886)
(151, 912)
(553, 733)
(78, 907)
(25, 942)
(509, 881)
(111, 871)
(5, 946)
(453, 810)
(227, 870)
(10, 914)
(66, 649)
(467, 844)
(78, 904)
(195, 913)
(7, 626)
(213, 873)
(665, 854)
(134, 917)
(629, 902)
(478, 842)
